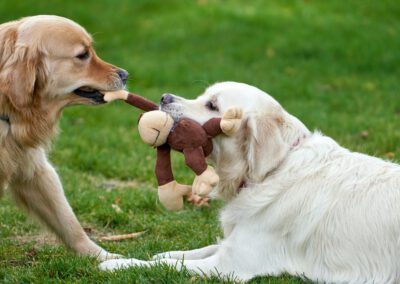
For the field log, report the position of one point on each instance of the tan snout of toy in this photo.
(154, 127)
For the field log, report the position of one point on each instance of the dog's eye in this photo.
(83, 56)
(211, 106)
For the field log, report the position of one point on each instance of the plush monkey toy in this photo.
(158, 129)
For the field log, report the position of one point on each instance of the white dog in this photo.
(297, 202)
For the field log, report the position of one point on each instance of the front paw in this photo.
(231, 120)
(105, 255)
(114, 264)
(163, 255)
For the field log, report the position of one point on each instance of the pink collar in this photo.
(298, 141)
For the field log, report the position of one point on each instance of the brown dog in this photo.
(46, 64)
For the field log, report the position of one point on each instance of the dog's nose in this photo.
(123, 75)
(167, 99)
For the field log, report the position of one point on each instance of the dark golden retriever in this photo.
(46, 64)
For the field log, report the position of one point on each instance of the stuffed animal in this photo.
(158, 129)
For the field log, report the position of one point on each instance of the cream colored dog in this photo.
(297, 202)
(46, 64)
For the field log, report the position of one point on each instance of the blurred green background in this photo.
(333, 64)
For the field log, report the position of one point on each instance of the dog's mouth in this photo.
(94, 95)
(173, 110)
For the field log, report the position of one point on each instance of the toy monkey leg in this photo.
(195, 159)
(213, 127)
(163, 165)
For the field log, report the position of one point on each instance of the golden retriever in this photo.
(297, 202)
(46, 64)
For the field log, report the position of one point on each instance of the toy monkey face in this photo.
(154, 127)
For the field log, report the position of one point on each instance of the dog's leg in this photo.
(206, 266)
(41, 193)
(2, 186)
(189, 254)
(4, 157)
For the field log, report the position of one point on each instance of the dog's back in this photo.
(326, 213)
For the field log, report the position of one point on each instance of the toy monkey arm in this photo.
(140, 102)
(163, 165)
(132, 99)
(206, 177)
(195, 159)
(213, 127)
(229, 124)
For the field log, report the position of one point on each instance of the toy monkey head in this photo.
(154, 127)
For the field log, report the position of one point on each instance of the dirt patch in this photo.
(111, 184)
(47, 238)
(38, 240)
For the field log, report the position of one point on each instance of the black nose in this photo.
(167, 99)
(123, 75)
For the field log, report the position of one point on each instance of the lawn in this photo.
(333, 64)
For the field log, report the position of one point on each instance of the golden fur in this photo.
(38, 74)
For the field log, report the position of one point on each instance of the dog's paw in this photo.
(162, 255)
(231, 120)
(105, 255)
(115, 264)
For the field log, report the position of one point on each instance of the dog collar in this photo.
(298, 141)
(5, 118)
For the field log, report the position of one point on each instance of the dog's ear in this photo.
(21, 69)
(264, 147)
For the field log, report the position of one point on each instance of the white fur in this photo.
(311, 207)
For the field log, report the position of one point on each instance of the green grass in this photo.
(333, 64)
